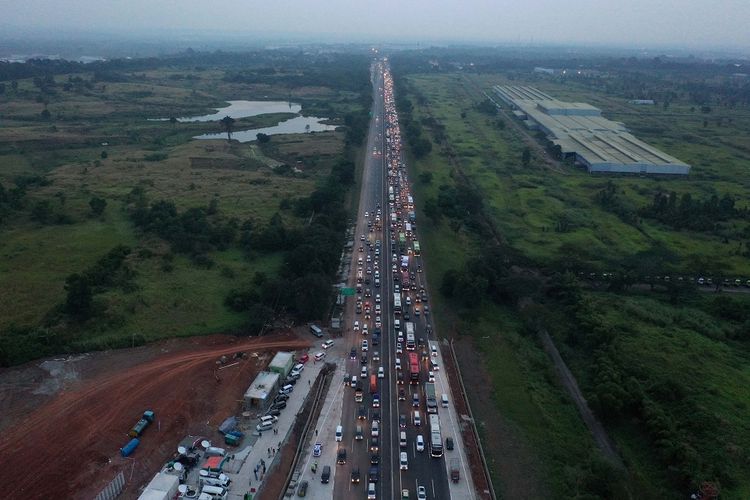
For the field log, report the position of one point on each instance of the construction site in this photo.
(106, 422)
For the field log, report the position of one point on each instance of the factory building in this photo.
(582, 133)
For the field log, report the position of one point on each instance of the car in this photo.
(400, 378)
(304, 359)
(401, 394)
(405, 494)
(302, 490)
(433, 350)
(381, 372)
(398, 363)
(402, 421)
(377, 299)
(298, 368)
(415, 400)
(273, 413)
(325, 476)
(365, 346)
(341, 456)
(365, 329)
(353, 381)
(376, 356)
(368, 293)
(281, 397)
(317, 449)
(361, 248)
(431, 377)
(353, 353)
(399, 349)
(327, 344)
(355, 475)
(363, 359)
(278, 406)
(356, 326)
(433, 365)
(449, 443)
(362, 412)
(374, 444)
(361, 237)
(319, 356)
(363, 372)
(376, 416)
(421, 493)
(403, 461)
(420, 442)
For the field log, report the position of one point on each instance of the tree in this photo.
(173, 121)
(526, 157)
(79, 298)
(263, 138)
(227, 123)
(104, 155)
(45, 114)
(97, 205)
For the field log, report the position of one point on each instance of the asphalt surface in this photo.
(422, 468)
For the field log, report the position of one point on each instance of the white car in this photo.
(365, 346)
(403, 461)
(433, 348)
(399, 349)
(364, 329)
(421, 493)
(356, 326)
(431, 377)
(381, 372)
(398, 363)
(377, 298)
(327, 344)
(420, 442)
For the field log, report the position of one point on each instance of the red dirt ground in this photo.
(68, 447)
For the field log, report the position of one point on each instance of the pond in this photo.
(243, 109)
(296, 125)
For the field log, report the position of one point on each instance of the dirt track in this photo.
(69, 446)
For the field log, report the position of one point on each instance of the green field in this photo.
(684, 343)
(96, 142)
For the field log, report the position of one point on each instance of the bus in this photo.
(397, 303)
(417, 251)
(402, 239)
(410, 340)
(429, 390)
(414, 368)
(373, 383)
(436, 439)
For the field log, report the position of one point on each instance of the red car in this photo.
(304, 358)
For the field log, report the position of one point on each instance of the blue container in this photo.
(130, 447)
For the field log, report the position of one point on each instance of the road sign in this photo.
(348, 292)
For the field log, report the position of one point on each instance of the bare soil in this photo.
(62, 432)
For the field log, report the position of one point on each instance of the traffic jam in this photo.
(415, 359)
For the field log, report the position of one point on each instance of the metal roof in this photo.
(262, 386)
(579, 128)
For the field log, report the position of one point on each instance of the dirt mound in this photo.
(69, 446)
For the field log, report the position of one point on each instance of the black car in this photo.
(402, 421)
(353, 353)
(401, 394)
(279, 406)
(355, 475)
(449, 443)
(290, 381)
(281, 397)
(374, 459)
(363, 359)
(376, 416)
(325, 476)
(302, 490)
(341, 456)
(362, 412)
(374, 444)
(274, 413)
(373, 474)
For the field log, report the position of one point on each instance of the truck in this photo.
(358, 392)
(432, 404)
(454, 470)
(138, 428)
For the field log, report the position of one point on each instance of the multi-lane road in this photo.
(386, 262)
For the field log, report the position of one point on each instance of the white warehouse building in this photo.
(581, 132)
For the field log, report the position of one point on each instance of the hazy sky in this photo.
(635, 23)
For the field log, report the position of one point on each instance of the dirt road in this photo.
(69, 446)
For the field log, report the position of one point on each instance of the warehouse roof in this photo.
(261, 387)
(579, 128)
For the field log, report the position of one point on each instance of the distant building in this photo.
(642, 102)
(262, 390)
(601, 145)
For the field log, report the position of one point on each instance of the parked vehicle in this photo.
(140, 426)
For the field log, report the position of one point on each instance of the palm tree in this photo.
(227, 124)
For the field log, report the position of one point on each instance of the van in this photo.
(264, 426)
(287, 389)
(417, 419)
(215, 492)
(371, 495)
(269, 418)
(339, 433)
(325, 476)
(222, 481)
(444, 400)
(402, 439)
(315, 330)
(403, 461)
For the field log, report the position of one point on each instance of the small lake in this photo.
(296, 125)
(243, 109)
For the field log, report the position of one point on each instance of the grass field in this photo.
(527, 203)
(657, 342)
(98, 143)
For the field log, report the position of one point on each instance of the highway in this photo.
(379, 220)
